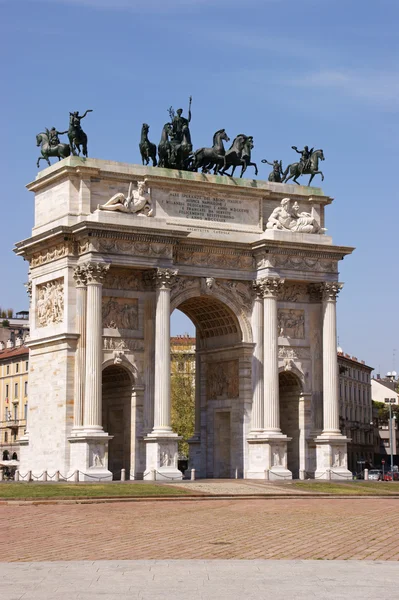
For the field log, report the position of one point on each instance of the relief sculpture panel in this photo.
(120, 313)
(223, 379)
(291, 323)
(50, 302)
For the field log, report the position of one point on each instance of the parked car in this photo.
(388, 476)
(375, 475)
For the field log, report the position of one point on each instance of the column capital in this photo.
(95, 272)
(80, 276)
(164, 278)
(268, 287)
(331, 289)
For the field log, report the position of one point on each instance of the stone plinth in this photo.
(162, 455)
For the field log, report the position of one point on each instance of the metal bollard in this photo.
(329, 474)
(153, 474)
(44, 476)
(192, 474)
(236, 473)
(366, 474)
(16, 475)
(267, 477)
(76, 476)
(57, 476)
(123, 474)
(29, 476)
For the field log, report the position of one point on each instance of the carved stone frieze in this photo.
(241, 291)
(285, 352)
(303, 263)
(54, 253)
(50, 302)
(120, 313)
(291, 323)
(133, 248)
(222, 379)
(201, 258)
(296, 292)
(117, 343)
(124, 280)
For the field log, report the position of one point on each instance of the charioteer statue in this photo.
(307, 165)
(180, 139)
(276, 175)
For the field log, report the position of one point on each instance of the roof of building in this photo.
(9, 353)
(390, 385)
(354, 359)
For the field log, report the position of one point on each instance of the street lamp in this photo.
(391, 401)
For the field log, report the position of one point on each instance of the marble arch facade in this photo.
(104, 283)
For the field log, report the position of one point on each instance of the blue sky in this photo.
(318, 72)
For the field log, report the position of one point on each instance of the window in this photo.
(27, 365)
(6, 437)
(25, 412)
(8, 369)
(17, 368)
(25, 388)
(16, 390)
(6, 390)
(15, 412)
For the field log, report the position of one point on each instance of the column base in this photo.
(89, 455)
(267, 457)
(331, 457)
(161, 457)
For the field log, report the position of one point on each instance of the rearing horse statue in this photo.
(296, 169)
(76, 135)
(148, 150)
(206, 158)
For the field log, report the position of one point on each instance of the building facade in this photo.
(14, 370)
(356, 410)
(383, 391)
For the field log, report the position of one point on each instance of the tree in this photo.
(383, 411)
(10, 313)
(183, 408)
(5, 323)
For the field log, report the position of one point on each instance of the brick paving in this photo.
(286, 528)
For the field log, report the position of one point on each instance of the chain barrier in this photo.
(37, 477)
(342, 475)
(172, 478)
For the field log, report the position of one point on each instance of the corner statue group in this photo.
(50, 144)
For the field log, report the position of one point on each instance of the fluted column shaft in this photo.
(330, 364)
(93, 391)
(257, 363)
(80, 356)
(271, 288)
(162, 417)
(197, 422)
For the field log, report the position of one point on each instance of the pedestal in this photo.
(332, 459)
(161, 458)
(89, 455)
(267, 458)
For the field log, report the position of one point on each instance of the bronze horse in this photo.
(148, 150)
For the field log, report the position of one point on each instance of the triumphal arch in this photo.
(114, 250)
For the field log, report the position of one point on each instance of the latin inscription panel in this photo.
(212, 209)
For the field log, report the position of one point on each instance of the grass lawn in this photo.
(355, 488)
(22, 491)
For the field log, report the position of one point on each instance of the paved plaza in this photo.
(284, 528)
(199, 580)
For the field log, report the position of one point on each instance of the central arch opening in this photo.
(206, 387)
(117, 385)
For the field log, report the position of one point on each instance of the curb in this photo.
(190, 498)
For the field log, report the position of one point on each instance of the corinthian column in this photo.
(257, 361)
(92, 406)
(330, 292)
(163, 281)
(270, 288)
(80, 276)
